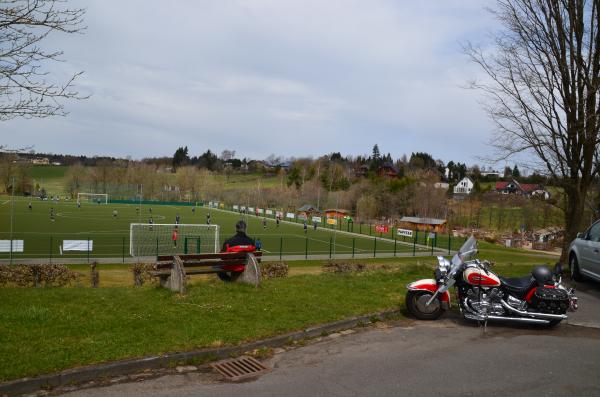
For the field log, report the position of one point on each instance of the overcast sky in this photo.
(293, 78)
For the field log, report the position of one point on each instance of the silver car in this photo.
(584, 254)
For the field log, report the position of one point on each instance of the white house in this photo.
(465, 186)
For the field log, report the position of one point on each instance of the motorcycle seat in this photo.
(518, 285)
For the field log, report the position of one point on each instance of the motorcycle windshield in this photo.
(466, 252)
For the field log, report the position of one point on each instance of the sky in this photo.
(261, 77)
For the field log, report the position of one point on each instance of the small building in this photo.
(336, 213)
(464, 186)
(523, 189)
(422, 224)
(388, 170)
(361, 171)
(40, 161)
(307, 211)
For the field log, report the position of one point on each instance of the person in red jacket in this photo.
(240, 242)
(174, 238)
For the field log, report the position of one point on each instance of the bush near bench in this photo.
(37, 275)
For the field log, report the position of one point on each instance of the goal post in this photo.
(147, 239)
(93, 197)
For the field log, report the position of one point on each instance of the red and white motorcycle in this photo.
(539, 298)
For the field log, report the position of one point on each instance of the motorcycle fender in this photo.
(431, 286)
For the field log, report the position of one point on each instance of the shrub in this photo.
(141, 273)
(37, 275)
(274, 270)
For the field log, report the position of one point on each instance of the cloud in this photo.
(260, 77)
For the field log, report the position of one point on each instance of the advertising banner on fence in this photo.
(279, 214)
(405, 232)
(269, 212)
(302, 217)
(261, 211)
(382, 228)
(17, 246)
(331, 221)
(316, 219)
(251, 209)
(77, 245)
(290, 215)
(235, 207)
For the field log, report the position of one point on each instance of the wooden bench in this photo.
(229, 266)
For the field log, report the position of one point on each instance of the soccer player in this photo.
(29, 206)
(277, 220)
(151, 222)
(305, 226)
(177, 219)
(264, 223)
(78, 204)
(52, 214)
(150, 209)
(315, 225)
(258, 244)
(174, 238)
(208, 218)
(115, 214)
(194, 209)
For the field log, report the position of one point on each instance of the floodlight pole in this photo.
(12, 210)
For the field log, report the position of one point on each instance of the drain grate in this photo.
(240, 368)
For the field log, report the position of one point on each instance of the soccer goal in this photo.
(165, 239)
(101, 198)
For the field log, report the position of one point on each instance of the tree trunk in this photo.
(573, 218)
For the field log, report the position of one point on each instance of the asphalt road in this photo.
(443, 358)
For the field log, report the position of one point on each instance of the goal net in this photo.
(101, 198)
(166, 239)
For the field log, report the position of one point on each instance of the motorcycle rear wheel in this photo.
(415, 304)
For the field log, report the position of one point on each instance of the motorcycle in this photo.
(539, 298)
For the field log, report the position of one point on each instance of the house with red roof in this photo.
(523, 189)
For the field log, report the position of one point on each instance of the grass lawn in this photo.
(50, 329)
(111, 236)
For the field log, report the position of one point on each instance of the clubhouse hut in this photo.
(336, 213)
(422, 224)
(307, 211)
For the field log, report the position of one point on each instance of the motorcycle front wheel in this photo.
(416, 305)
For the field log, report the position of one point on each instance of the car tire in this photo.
(574, 269)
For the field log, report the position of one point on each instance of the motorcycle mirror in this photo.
(558, 270)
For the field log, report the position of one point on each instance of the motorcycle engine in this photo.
(485, 301)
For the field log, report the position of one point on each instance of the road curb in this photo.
(125, 367)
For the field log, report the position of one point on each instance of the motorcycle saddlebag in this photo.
(550, 300)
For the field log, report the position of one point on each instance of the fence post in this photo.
(88, 249)
(370, 229)
(353, 242)
(50, 249)
(432, 243)
(306, 249)
(394, 247)
(449, 240)
(123, 249)
(280, 247)
(415, 242)
(157, 248)
(375, 247)
(360, 228)
(330, 242)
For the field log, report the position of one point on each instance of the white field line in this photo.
(6, 202)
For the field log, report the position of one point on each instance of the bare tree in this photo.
(543, 92)
(25, 87)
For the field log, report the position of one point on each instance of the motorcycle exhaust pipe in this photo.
(543, 316)
(512, 319)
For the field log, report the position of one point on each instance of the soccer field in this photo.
(111, 236)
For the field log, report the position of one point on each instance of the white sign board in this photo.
(269, 212)
(251, 209)
(279, 214)
(17, 246)
(77, 245)
(316, 219)
(290, 215)
(405, 232)
(261, 211)
(235, 207)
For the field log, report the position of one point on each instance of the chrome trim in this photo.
(545, 316)
(469, 316)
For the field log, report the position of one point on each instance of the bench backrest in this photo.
(220, 258)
